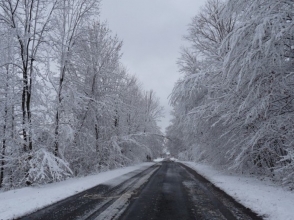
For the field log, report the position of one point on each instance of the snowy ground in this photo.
(16, 203)
(264, 197)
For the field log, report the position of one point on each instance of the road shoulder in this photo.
(263, 197)
(20, 202)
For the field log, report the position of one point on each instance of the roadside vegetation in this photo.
(234, 104)
(68, 107)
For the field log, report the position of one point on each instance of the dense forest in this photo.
(68, 107)
(234, 103)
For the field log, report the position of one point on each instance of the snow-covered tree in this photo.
(197, 94)
(67, 104)
(259, 69)
(234, 104)
(70, 19)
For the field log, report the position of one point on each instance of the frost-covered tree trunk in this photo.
(4, 132)
(8, 99)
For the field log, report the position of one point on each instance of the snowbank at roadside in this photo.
(263, 197)
(19, 202)
(158, 160)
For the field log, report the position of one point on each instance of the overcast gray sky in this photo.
(152, 33)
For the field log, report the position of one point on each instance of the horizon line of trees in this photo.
(234, 104)
(67, 105)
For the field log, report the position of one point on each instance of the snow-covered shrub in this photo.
(286, 169)
(44, 167)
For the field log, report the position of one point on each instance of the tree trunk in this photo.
(4, 130)
(56, 133)
(97, 136)
(57, 117)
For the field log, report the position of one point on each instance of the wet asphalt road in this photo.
(165, 191)
(176, 192)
